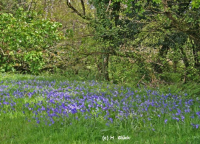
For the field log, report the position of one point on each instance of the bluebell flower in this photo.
(6, 103)
(195, 125)
(182, 118)
(192, 116)
(166, 121)
(198, 113)
(111, 120)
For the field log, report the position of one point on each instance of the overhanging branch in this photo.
(76, 11)
(83, 7)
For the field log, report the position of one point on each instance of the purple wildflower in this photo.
(165, 121)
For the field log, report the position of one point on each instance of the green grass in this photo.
(15, 127)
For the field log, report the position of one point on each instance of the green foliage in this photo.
(158, 30)
(192, 90)
(171, 77)
(106, 42)
(193, 74)
(29, 34)
(121, 70)
(126, 70)
(21, 32)
(195, 3)
(35, 61)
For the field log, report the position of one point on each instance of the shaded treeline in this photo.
(141, 41)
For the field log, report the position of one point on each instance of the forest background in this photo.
(141, 42)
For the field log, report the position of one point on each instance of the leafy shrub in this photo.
(26, 34)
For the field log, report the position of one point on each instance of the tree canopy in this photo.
(152, 40)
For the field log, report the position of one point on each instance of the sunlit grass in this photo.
(54, 110)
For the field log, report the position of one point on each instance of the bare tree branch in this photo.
(108, 5)
(76, 11)
(83, 6)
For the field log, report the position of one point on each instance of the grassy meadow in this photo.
(55, 110)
